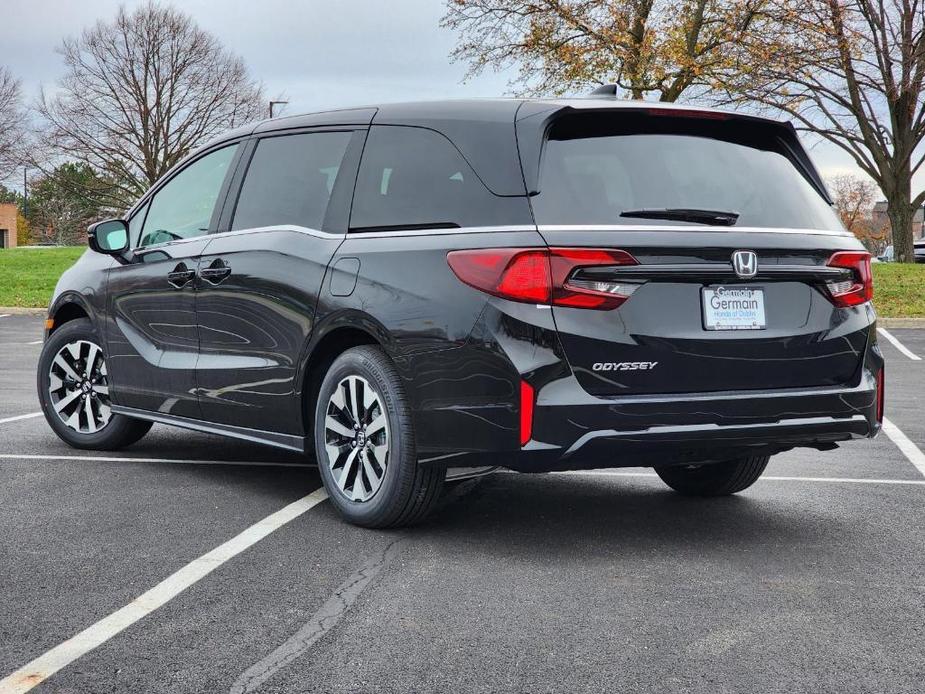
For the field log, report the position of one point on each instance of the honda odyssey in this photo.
(532, 284)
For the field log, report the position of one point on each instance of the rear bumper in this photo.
(472, 417)
(682, 429)
(688, 428)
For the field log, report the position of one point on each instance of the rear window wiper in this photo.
(685, 214)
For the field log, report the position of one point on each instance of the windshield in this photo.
(593, 180)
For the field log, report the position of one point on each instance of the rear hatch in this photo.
(731, 278)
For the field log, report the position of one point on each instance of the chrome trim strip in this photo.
(281, 227)
(141, 250)
(557, 394)
(718, 230)
(440, 232)
(705, 428)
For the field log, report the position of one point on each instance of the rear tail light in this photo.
(526, 412)
(860, 287)
(544, 276)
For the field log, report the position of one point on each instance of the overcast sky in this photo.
(317, 54)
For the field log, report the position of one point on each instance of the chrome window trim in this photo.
(686, 228)
(498, 229)
(295, 228)
(441, 232)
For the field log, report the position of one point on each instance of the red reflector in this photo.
(526, 412)
(880, 394)
(860, 288)
(541, 275)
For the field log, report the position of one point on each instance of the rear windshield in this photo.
(590, 175)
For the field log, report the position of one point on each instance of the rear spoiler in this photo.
(534, 120)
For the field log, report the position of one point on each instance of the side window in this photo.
(290, 179)
(134, 225)
(414, 177)
(182, 208)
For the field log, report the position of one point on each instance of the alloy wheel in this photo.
(356, 438)
(78, 387)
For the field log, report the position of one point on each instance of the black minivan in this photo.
(532, 284)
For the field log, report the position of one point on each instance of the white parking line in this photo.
(4, 315)
(20, 416)
(764, 478)
(126, 459)
(35, 342)
(97, 634)
(899, 345)
(912, 452)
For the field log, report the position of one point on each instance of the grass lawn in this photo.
(899, 290)
(28, 277)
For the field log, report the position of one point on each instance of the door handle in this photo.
(180, 276)
(216, 272)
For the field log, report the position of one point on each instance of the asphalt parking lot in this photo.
(812, 580)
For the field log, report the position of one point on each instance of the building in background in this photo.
(8, 211)
(880, 219)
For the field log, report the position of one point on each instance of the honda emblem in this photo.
(745, 264)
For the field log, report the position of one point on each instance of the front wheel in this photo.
(73, 387)
(714, 479)
(364, 444)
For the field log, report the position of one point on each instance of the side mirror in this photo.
(109, 237)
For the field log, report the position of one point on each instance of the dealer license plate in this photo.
(733, 308)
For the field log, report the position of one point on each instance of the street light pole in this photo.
(25, 192)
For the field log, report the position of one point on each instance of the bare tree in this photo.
(12, 123)
(854, 199)
(853, 72)
(140, 92)
(646, 47)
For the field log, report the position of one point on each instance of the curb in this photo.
(901, 323)
(20, 311)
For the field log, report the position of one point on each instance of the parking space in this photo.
(555, 582)
(20, 344)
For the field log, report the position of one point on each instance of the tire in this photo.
(96, 428)
(714, 479)
(383, 448)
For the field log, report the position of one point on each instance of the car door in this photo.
(260, 278)
(151, 328)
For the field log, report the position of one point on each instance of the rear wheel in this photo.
(364, 444)
(714, 479)
(73, 387)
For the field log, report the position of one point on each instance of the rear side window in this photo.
(593, 179)
(415, 178)
(290, 179)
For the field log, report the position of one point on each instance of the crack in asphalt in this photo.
(325, 619)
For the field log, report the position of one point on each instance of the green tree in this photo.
(7, 195)
(65, 201)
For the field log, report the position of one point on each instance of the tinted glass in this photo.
(290, 179)
(183, 207)
(414, 177)
(591, 180)
(135, 224)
